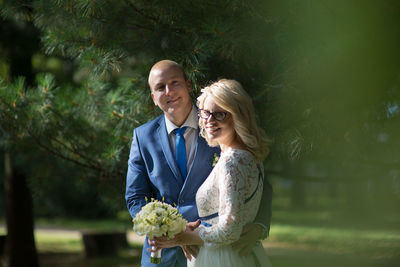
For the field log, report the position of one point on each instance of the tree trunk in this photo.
(20, 242)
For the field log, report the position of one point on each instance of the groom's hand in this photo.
(187, 237)
(152, 247)
(251, 233)
(191, 251)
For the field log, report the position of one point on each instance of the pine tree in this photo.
(323, 95)
(115, 43)
(104, 35)
(20, 41)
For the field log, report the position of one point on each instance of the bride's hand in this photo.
(190, 226)
(188, 237)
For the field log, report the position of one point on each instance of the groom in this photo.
(159, 168)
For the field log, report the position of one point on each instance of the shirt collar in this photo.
(191, 121)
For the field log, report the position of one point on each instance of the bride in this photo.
(230, 196)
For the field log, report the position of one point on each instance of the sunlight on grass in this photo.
(58, 241)
(378, 243)
(82, 224)
(302, 234)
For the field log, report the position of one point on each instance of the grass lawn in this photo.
(308, 239)
(377, 244)
(288, 245)
(54, 241)
(119, 224)
(314, 247)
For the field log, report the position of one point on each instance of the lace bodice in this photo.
(233, 180)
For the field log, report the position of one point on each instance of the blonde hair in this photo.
(230, 95)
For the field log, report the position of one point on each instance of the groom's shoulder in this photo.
(150, 126)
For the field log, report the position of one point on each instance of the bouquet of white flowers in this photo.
(157, 219)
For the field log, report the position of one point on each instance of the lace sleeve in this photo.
(231, 183)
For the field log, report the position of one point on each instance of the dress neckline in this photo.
(230, 150)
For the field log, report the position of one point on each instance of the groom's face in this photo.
(170, 90)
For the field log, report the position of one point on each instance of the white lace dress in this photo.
(233, 190)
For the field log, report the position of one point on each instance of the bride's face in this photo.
(221, 131)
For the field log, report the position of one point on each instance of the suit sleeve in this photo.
(137, 180)
(265, 210)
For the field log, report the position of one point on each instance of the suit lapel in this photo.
(169, 156)
(200, 157)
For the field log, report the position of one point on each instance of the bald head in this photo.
(162, 66)
(170, 90)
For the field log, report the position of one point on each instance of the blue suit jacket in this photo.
(153, 173)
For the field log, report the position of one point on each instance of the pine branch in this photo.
(137, 26)
(75, 144)
(156, 20)
(12, 127)
(137, 10)
(74, 150)
(60, 155)
(9, 117)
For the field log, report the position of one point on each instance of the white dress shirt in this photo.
(191, 134)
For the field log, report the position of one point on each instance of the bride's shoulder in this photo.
(237, 156)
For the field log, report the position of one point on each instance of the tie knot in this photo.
(180, 131)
